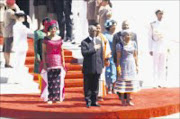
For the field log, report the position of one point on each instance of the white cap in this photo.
(20, 12)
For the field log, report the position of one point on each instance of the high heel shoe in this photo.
(130, 103)
(49, 102)
(58, 102)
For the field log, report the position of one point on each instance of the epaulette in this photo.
(153, 22)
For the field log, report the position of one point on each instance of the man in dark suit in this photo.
(92, 51)
(116, 38)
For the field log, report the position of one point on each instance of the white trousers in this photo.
(159, 69)
(19, 59)
(19, 73)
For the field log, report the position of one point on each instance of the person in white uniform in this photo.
(158, 49)
(20, 44)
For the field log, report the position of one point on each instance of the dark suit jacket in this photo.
(93, 60)
(116, 40)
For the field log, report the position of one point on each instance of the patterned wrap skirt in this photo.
(54, 84)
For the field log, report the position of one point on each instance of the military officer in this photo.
(158, 49)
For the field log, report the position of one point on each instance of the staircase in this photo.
(74, 76)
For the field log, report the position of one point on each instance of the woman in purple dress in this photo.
(53, 64)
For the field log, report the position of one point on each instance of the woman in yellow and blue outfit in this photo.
(110, 74)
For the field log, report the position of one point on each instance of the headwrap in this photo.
(10, 2)
(110, 23)
(45, 24)
(46, 20)
(125, 32)
(51, 24)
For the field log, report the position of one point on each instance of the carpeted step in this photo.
(73, 67)
(70, 67)
(35, 76)
(31, 68)
(69, 75)
(68, 82)
(29, 61)
(73, 83)
(31, 52)
(67, 53)
(1, 40)
(74, 75)
(70, 59)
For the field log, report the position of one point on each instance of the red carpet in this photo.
(148, 103)
(74, 77)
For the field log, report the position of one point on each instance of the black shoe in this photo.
(73, 42)
(95, 104)
(88, 105)
(66, 40)
(8, 66)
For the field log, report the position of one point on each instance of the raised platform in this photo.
(148, 103)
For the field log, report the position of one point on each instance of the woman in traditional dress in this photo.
(38, 39)
(110, 26)
(53, 65)
(106, 56)
(127, 68)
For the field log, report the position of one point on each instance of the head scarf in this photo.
(110, 23)
(45, 24)
(10, 2)
(51, 24)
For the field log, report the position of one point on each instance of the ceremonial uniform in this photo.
(158, 45)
